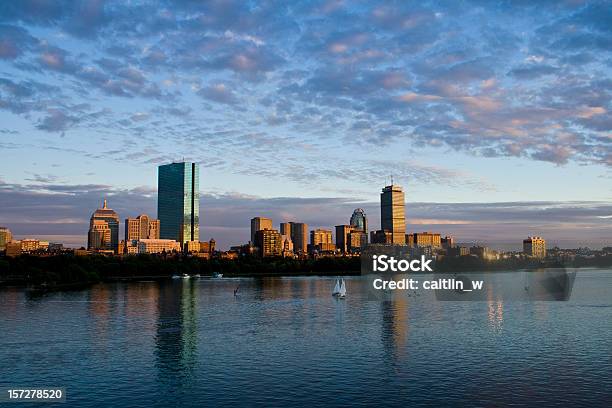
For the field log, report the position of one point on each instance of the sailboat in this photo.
(336, 290)
(342, 293)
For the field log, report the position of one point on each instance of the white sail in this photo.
(336, 288)
(342, 292)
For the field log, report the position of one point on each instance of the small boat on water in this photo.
(185, 276)
(176, 276)
(336, 288)
(340, 289)
(342, 293)
(217, 275)
(197, 275)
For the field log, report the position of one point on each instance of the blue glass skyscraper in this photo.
(178, 202)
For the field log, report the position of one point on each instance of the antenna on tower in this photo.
(392, 179)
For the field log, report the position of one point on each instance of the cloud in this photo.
(218, 93)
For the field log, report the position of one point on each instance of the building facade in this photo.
(424, 239)
(269, 242)
(103, 230)
(359, 221)
(393, 213)
(258, 224)
(447, 242)
(285, 228)
(357, 240)
(342, 236)
(299, 236)
(5, 237)
(141, 227)
(178, 202)
(157, 246)
(320, 236)
(535, 247)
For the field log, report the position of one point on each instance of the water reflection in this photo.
(395, 326)
(176, 337)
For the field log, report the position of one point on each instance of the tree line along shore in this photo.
(66, 270)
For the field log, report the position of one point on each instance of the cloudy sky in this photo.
(494, 116)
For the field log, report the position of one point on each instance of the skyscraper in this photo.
(103, 229)
(299, 236)
(342, 236)
(285, 228)
(393, 213)
(178, 202)
(359, 220)
(258, 224)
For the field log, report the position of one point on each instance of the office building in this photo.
(299, 236)
(357, 240)
(208, 247)
(157, 246)
(381, 237)
(393, 213)
(191, 247)
(285, 228)
(13, 248)
(141, 227)
(320, 236)
(342, 236)
(447, 242)
(424, 239)
(103, 230)
(269, 242)
(178, 202)
(26, 246)
(359, 221)
(321, 241)
(258, 224)
(5, 237)
(535, 247)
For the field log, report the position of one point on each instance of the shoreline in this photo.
(41, 289)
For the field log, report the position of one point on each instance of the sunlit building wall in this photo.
(97, 236)
(141, 227)
(259, 223)
(393, 213)
(535, 247)
(5, 237)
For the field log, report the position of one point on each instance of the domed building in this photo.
(103, 230)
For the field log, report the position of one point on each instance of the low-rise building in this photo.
(156, 246)
(424, 239)
(458, 251)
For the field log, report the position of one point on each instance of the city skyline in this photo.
(494, 119)
(511, 242)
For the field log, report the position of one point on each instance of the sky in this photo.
(493, 116)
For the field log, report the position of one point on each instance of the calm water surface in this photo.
(287, 342)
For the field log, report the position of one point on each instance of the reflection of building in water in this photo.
(395, 326)
(100, 303)
(495, 309)
(176, 339)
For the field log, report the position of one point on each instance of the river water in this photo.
(288, 342)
